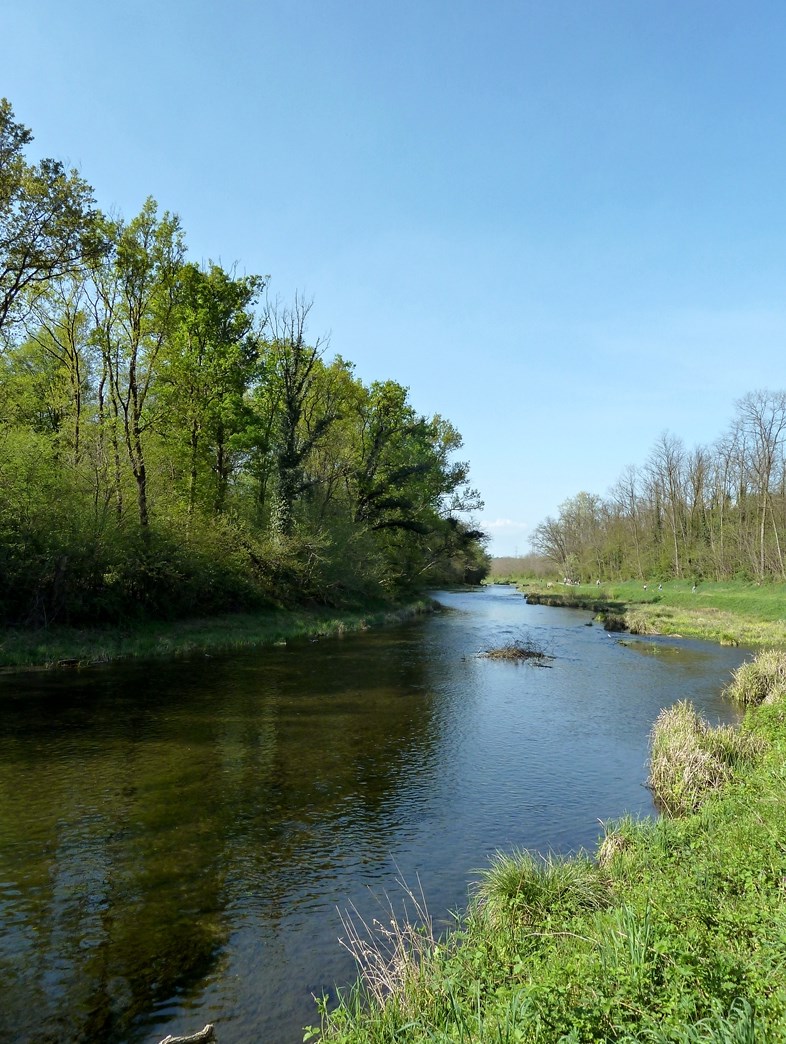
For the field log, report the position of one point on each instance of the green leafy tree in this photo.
(302, 406)
(136, 294)
(408, 490)
(47, 221)
(210, 365)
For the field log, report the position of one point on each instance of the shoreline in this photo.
(62, 648)
(736, 614)
(670, 932)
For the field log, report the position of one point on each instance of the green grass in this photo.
(74, 647)
(675, 932)
(733, 613)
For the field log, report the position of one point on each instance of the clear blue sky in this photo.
(561, 224)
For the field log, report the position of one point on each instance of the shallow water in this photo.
(177, 840)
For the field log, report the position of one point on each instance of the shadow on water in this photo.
(175, 839)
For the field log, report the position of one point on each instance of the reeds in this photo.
(390, 950)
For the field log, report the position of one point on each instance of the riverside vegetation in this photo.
(674, 930)
(733, 612)
(173, 443)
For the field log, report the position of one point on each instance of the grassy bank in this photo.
(731, 613)
(673, 931)
(74, 647)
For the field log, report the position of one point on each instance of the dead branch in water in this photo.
(192, 1038)
(517, 651)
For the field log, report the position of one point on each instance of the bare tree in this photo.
(761, 421)
(666, 467)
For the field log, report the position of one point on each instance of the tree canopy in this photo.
(171, 441)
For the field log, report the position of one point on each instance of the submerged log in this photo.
(192, 1038)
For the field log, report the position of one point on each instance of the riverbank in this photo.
(70, 647)
(673, 931)
(733, 613)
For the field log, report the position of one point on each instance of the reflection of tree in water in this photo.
(133, 820)
(115, 915)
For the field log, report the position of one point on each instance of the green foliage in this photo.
(166, 445)
(47, 221)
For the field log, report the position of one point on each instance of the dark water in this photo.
(176, 839)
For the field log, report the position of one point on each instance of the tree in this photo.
(47, 221)
(407, 489)
(302, 407)
(666, 468)
(136, 292)
(761, 418)
(209, 365)
(58, 324)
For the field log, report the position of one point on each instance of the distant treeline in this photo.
(172, 443)
(716, 511)
(509, 567)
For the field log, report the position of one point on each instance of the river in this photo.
(178, 839)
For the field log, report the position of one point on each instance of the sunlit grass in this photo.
(732, 613)
(690, 759)
(761, 680)
(527, 887)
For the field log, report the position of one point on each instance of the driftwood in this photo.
(192, 1038)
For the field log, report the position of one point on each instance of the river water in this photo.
(177, 840)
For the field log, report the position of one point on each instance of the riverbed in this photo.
(179, 840)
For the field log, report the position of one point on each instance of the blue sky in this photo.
(561, 224)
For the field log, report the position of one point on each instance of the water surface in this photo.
(177, 839)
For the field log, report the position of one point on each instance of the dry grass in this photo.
(389, 952)
(690, 759)
(762, 680)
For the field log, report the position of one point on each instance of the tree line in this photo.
(172, 442)
(717, 511)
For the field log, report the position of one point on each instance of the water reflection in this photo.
(175, 838)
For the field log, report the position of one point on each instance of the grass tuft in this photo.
(690, 759)
(762, 680)
(528, 888)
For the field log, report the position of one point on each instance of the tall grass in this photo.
(762, 680)
(689, 759)
(390, 950)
